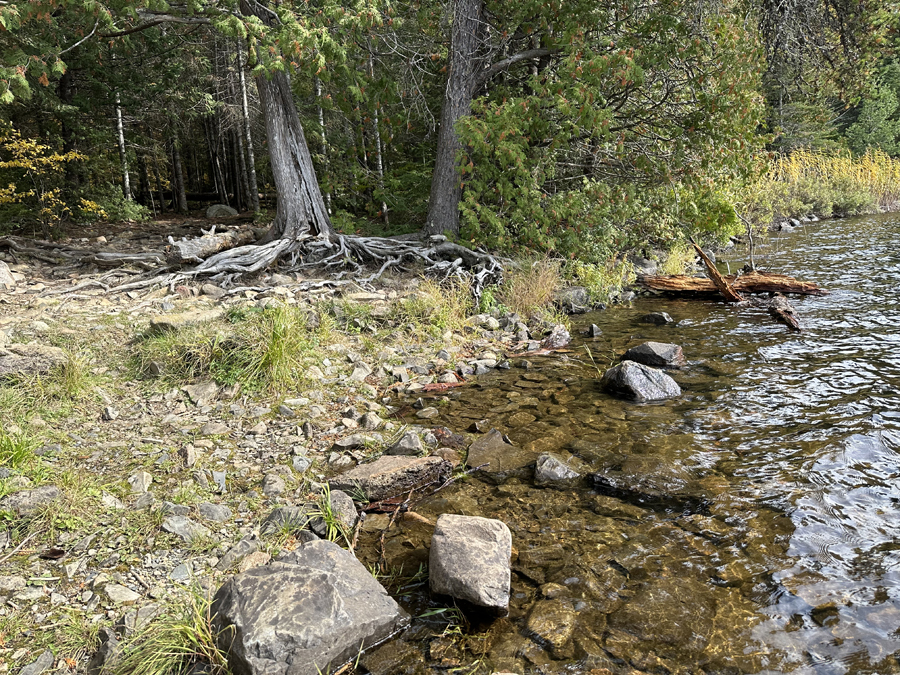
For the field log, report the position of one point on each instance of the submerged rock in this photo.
(658, 354)
(559, 337)
(308, 612)
(657, 318)
(553, 469)
(499, 459)
(469, 560)
(637, 382)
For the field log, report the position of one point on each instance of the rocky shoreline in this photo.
(140, 490)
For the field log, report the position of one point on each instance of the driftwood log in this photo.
(720, 282)
(779, 308)
(751, 282)
(197, 249)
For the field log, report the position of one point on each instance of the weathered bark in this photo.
(301, 210)
(248, 137)
(446, 184)
(752, 282)
(123, 155)
(66, 91)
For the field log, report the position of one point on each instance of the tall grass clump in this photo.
(830, 183)
(174, 644)
(261, 349)
(436, 308)
(529, 288)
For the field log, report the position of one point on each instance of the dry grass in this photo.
(529, 289)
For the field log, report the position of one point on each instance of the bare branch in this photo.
(82, 40)
(487, 75)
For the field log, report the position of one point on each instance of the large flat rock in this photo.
(469, 561)
(307, 613)
(28, 502)
(392, 476)
(30, 359)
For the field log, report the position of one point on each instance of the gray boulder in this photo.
(30, 359)
(559, 337)
(409, 444)
(308, 612)
(247, 545)
(220, 211)
(573, 300)
(390, 476)
(7, 280)
(42, 664)
(469, 561)
(657, 354)
(185, 528)
(293, 518)
(637, 382)
(27, 502)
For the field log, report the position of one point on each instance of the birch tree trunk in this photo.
(123, 157)
(248, 137)
(379, 162)
(324, 138)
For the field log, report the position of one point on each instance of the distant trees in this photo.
(582, 126)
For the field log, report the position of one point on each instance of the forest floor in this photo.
(153, 415)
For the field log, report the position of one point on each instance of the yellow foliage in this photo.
(39, 165)
(875, 172)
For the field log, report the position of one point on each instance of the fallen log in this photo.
(751, 282)
(197, 249)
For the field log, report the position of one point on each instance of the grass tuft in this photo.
(529, 290)
(182, 637)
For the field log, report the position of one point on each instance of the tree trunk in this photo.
(159, 185)
(301, 210)
(66, 92)
(446, 186)
(180, 193)
(379, 160)
(145, 194)
(123, 156)
(324, 138)
(248, 137)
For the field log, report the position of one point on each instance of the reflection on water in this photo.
(750, 526)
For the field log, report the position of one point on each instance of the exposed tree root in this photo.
(347, 257)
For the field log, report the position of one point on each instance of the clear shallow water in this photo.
(755, 522)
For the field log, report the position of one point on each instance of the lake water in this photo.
(750, 526)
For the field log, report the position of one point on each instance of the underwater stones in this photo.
(469, 561)
(308, 612)
(657, 354)
(390, 476)
(637, 382)
(552, 623)
(671, 614)
(498, 459)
